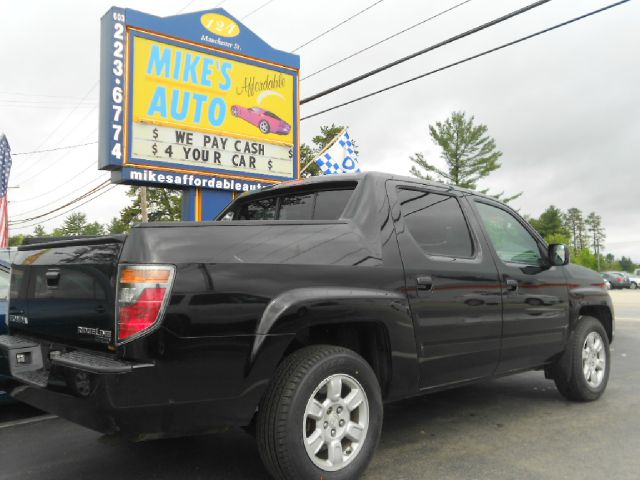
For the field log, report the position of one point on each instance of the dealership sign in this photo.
(195, 96)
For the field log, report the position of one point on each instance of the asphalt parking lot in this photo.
(513, 428)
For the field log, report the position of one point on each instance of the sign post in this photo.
(196, 102)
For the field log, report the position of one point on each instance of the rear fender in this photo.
(298, 309)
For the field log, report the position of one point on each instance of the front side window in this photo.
(436, 222)
(511, 240)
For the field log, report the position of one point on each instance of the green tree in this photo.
(16, 240)
(74, 224)
(551, 226)
(593, 223)
(574, 223)
(308, 153)
(586, 258)
(117, 226)
(77, 224)
(39, 231)
(163, 204)
(469, 153)
(627, 264)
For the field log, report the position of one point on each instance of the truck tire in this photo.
(582, 372)
(321, 416)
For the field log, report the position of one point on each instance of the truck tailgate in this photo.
(64, 291)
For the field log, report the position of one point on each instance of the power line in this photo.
(455, 38)
(65, 213)
(27, 212)
(337, 25)
(21, 174)
(467, 59)
(23, 94)
(257, 9)
(68, 116)
(69, 180)
(433, 17)
(54, 149)
(75, 200)
(191, 2)
(47, 107)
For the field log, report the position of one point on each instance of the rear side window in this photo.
(436, 223)
(314, 205)
(330, 204)
(264, 209)
(296, 207)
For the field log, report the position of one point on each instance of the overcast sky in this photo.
(563, 108)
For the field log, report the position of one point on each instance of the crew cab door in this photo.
(451, 282)
(535, 294)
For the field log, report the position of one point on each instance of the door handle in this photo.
(53, 277)
(512, 285)
(424, 283)
(100, 309)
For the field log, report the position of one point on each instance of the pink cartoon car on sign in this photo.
(266, 121)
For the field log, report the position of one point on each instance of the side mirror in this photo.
(558, 254)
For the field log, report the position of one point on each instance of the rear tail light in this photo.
(143, 293)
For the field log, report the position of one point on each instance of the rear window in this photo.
(312, 205)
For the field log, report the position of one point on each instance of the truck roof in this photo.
(356, 177)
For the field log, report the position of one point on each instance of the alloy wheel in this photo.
(336, 421)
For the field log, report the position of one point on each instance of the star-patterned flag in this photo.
(5, 168)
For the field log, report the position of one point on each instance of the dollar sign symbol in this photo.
(155, 133)
(154, 148)
(291, 153)
(270, 164)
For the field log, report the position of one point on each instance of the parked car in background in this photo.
(625, 276)
(607, 283)
(616, 279)
(5, 272)
(634, 281)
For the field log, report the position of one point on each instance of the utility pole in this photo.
(143, 204)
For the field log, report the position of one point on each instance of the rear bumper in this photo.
(77, 385)
(112, 396)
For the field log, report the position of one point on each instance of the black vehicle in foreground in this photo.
(299, 313)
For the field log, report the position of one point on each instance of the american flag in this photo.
(5, 168)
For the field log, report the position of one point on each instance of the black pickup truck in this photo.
(298, 312)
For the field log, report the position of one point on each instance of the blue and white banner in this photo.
(340, 157)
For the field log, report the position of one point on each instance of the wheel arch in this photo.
(374, 323)
(603, 314)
